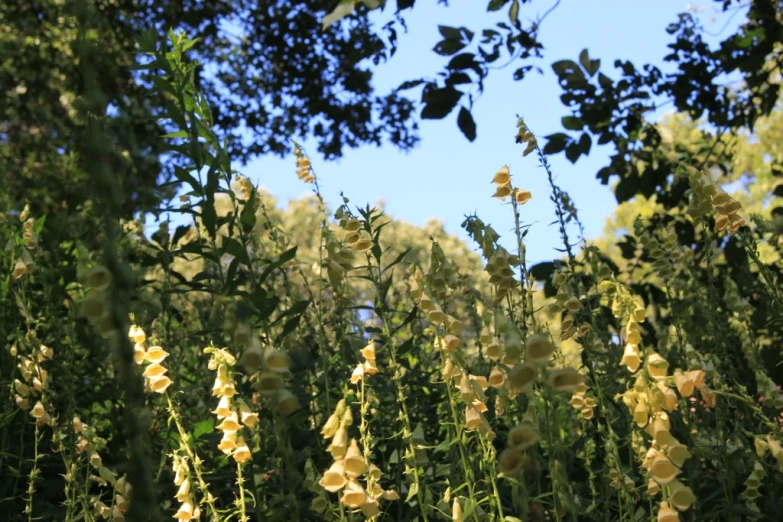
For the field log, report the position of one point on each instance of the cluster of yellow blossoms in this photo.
(513, 459)
(229, 410)
(188, 509)
(349, 465)
(650, 401)
(503, 188)
(31, 386)
(567, 304)
(705, 197)
(354, 235)
(303, 168)
(89, 443)
(368, 367)
(268, 368)
(501, 274)
(155, 373)
(25, 263)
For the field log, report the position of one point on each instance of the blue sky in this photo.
(446, 176)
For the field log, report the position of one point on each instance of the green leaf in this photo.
(572, 152)
(572, 123)
(284, 258)
(203, 428)
(556, 143)
(448, 47)
(585, 143)
(590, 66)
(233, 247)
(568, 71)
(466, 124)
(439, 103)
(495, 5)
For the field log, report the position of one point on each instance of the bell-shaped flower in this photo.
(539, 349)
(228, 443)
(497, 378)
(511, 461)
(223, 408)
(253, 356)
(522, 376)
(333, 479)
(276, 360)
(657, 366)
(564, 379)
(354, 462)
(156, 354)
(230, 424)
(242, 452)
(632, 359)
(269, 383)
(663, 470)
(667, 514)
(472, 418)
(680, 495)
(523, 436)
(249, 417)
(354, 495)
(159, 383)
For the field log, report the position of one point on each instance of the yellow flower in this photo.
(662, 469)
(510, 461)
(354, 495)
(20, 269)
(38, 410)
(539, 349)
(334, 477)
(230, 424)
(667, 514)
(138, 353)
(242, 452)
(522, 437)
(287, 403)
(268, 383)
(370, 508)
(99, 277)
(185, 512)
(631, 358)
(253, 357)
(496, 378)
(564, 379)
(680, 496)
(223, 408)
(522, 196)
(331, 426)
(502, 176)
(358, 374)
(154, 370)
(339, 443)
(228, 442)
(184, 491)
(522, 376)
(677, 452)
(472, 417)
(456, 511)
(354, 463)
(159, 383)
(249, 417)
(156, 354)
(657, 366)
(451, 343)
(276, 360)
